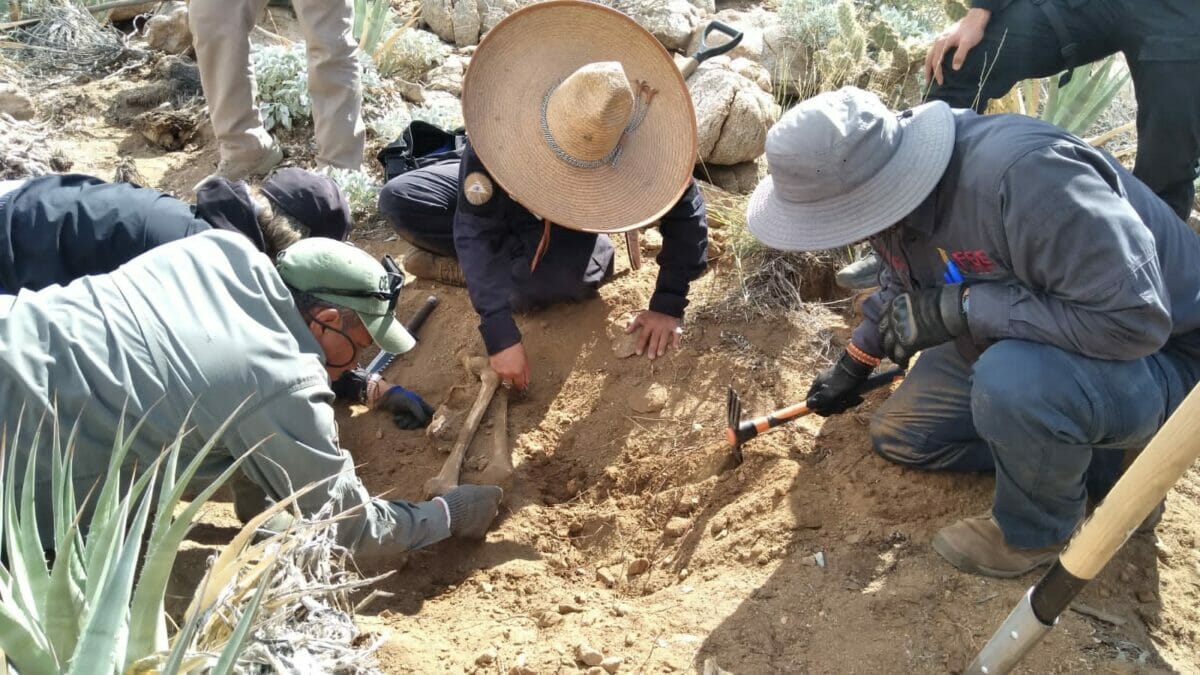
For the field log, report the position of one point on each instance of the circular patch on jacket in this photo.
(477, 188)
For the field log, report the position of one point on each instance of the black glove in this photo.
(921, 319)
(351, 386)
(472, 509)
(408, 410)
(835, 390)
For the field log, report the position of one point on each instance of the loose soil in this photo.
(621, 532)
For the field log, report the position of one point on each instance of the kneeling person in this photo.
(206, 329)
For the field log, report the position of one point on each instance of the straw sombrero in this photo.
(581, 116)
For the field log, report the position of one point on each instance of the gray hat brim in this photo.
(880, 202)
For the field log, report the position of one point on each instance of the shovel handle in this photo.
(748, 429)
(706, 52)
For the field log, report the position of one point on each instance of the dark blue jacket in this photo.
(483, 237)
(57, 228)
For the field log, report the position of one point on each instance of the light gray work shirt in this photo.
(181, 336)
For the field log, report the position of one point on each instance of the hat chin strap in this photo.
(641, 103)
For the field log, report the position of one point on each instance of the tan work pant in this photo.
(221, 35)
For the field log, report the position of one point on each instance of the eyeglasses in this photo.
(395, 281)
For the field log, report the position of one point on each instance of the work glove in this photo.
(472, 509)
(351, 386)
(836, 390)
(922, 319)
(408, 410)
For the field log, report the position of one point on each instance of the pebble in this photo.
(677, 527)
(568, 608)
(486, 587)
(819, 557)
(638, 566)
(548, 619)
(588, 655)
(652, 400)
(683, 574)
(1146, 595)
(595, 670)
(629, 641)
(486, 658)
(612, 664)
(621, 609)
(606, 577)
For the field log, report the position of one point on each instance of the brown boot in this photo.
(441, 268)
(976, 545)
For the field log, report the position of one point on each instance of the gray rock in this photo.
(588, 655)
(14, 102)
(673, 22)
(733, 115)
(448, 77)
(168, 31)
(738, 178)
(765, 42)
(455, 21)
(612, 664)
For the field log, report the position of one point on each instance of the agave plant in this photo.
(1074, 107)
(91, 611)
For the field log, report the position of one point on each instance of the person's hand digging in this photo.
(472, 509)
(408, 410)
(836, 390)
(660, 332)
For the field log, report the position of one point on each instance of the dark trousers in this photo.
(1161, 43)
(1052, 424)
(420, 205)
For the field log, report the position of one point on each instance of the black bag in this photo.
(422, 144)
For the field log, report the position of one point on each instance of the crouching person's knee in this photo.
(893, 441)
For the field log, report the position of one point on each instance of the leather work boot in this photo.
(431, 267)
(860, 274)
(243, 168)
(976, 545)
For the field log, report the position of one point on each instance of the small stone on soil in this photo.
(612, 664)
(629, 640)
(485, 659)
(677, 527)
(606, 577)
(1146, 595)
(621, 609)
(548, 619)
(652, 400)
(638, 566)
(588, 655)
(568, 608)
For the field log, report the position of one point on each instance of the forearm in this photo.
(684, 254)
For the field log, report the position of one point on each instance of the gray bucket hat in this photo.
(843, 167)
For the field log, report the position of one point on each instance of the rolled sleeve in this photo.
(1086, 266)
(684, 254)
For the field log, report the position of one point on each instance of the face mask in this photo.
(353, 345)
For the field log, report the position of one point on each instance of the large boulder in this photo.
(733, 114)
(455, 21)
(765, 42)
(673, 22)
(739, 178)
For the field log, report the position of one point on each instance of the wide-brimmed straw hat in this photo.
(581, 116)
(843, 167)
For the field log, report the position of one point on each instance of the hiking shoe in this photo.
(976, 545)
(243, 168)
(860, 274)
(431, 267)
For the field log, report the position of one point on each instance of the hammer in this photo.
(447, 479)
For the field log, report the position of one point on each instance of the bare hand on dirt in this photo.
(659, 333)
(512, 366)
(961, 37)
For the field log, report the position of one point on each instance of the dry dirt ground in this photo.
(621, 533)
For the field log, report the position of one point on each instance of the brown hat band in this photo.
(641, 103)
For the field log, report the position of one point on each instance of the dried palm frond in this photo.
(68, 39)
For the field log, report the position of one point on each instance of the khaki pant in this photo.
(221, 34)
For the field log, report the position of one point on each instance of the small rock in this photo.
(612, 664)
(1146, 595)
(486, 587)
(652, 400)
(606, 577)
(588, 655)
(595, 670)
(651, 240)
(568, 608)
(486, 658)
(683, 574)
(168, 31)
(638, 566)
(621, 609)
(677, 527)
(629, 640)
(819, 557)
(548, 619)
(15, 102)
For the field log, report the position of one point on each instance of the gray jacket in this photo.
(1059, 243)
(181, 336)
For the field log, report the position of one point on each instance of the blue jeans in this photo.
(1052, 424)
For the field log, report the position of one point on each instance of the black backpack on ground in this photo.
(422, 144)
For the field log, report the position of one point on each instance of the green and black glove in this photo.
(922, 319)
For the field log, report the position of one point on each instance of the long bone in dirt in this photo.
(447, 478)
(499, 468)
